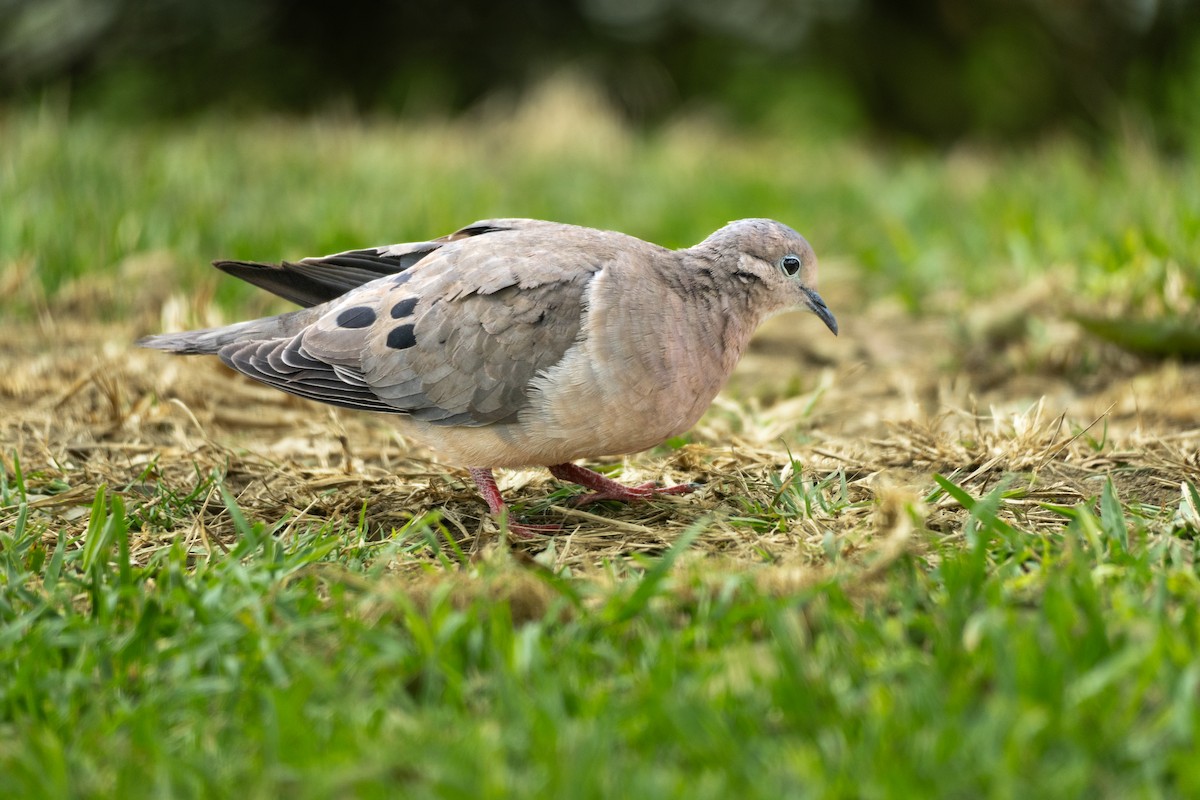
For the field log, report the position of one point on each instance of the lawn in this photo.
(951, 553)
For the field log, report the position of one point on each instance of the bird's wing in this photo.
(320, 279)
(454, 339)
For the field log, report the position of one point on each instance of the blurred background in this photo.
(924, 71)
(1019, 167)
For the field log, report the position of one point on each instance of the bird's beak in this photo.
(818, 307)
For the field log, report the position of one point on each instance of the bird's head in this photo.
(778, 263)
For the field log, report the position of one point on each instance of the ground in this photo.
(873, 413)
(948, 553)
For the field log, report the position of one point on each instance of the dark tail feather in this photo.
(289, 282)
(313, 281)
(318, 280)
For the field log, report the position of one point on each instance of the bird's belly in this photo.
(578, 412)
(584, 409)
(532, 443)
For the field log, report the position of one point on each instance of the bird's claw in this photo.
(630, 494)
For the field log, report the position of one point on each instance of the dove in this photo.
(515, 343)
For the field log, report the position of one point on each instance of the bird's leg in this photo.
(606, 489)
(487, 487)
(495, 501)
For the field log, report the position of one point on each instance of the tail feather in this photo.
(305, 284)
(210, 340)
(278, 280)
(312, 281)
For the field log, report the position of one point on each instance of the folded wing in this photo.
(452, 335)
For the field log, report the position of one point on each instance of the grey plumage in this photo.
(520, 342)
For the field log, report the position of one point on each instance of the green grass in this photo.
(979, 657)
(82, 196)
(1060, 666)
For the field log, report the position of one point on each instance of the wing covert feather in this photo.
(477, 322)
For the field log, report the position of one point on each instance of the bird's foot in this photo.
(629, 494)
(525, 530)
(607, 489)
(491, 494)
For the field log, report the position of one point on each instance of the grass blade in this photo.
(649, 584)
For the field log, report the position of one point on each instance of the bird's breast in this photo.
(645, 368)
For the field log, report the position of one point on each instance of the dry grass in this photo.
(863, 421)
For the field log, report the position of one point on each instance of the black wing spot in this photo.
(404, 308)
(401, 337)
(357, 317)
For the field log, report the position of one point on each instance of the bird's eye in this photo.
(790, 264)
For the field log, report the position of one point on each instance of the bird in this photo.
(515, 343)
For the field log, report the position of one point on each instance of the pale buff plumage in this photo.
(519, 342)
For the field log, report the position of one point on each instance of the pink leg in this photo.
(606, 489)
(487, 487)
(491, 495)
